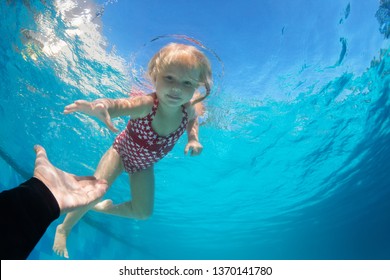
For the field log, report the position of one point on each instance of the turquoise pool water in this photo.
(297, 134)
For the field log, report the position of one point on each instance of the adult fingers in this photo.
(40, 151)
(95, 190)
(92, 187)
(84, 178)
(41, 155)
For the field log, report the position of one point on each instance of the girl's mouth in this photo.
(173, 97)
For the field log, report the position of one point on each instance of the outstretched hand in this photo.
(71, 192)
(95, 109)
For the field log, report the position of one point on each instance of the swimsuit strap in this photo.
(155, 106)
(184, 110)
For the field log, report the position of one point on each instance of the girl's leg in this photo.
(109, 168)
(142, 193)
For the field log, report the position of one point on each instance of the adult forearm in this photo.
(25, 213)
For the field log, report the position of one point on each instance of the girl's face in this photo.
(176, 84)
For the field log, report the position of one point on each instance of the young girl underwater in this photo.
(157, 122)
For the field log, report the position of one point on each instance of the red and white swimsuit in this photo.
(140, 146)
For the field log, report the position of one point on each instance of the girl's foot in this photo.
(59, 246)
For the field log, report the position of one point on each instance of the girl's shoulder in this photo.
(143, 103)
(146, 100)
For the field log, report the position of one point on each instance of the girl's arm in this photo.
(105, 109)
(193, 130)
(135, 107)
(193, 144)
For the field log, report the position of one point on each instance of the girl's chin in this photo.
(171, 102)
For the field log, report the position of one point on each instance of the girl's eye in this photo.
(168, 78)
(188, 84)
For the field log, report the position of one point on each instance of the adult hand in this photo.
(71, 192)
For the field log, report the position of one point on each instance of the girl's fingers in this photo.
(79, 106)
(74, 107)
(113, 129)
(108, 122)
(194, 150)
(111, 126)
(69, 110)
(70, 107)
(81, 102)
(93, 109)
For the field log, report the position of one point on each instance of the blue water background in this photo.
(297, 146)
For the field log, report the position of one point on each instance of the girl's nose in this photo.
(175, 89)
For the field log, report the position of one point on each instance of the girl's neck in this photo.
(168, 111)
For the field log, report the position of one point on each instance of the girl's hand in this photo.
(194, 146)
(96, 109)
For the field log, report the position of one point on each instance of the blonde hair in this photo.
(185, 55)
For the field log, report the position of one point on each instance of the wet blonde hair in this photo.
(185, 55)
